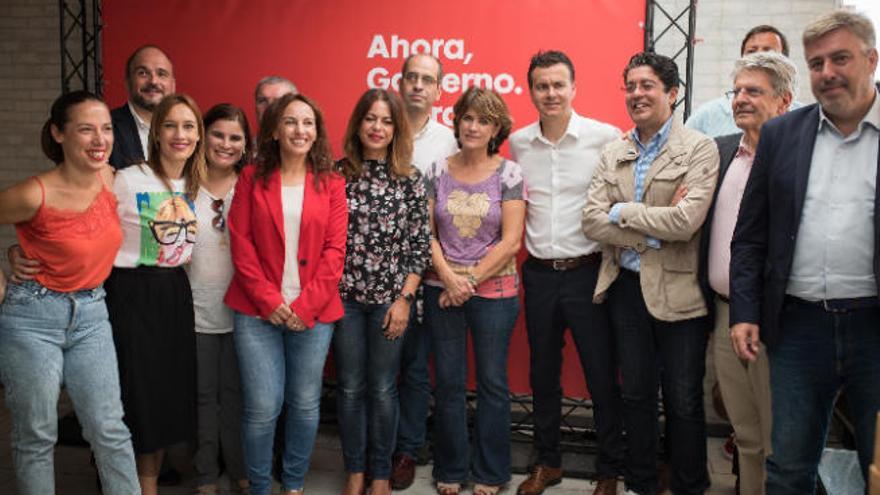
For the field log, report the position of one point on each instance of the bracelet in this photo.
(472, 279)
(409, 297)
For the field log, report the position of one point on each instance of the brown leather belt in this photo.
(564, 264)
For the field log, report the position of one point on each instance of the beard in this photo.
(138, 99)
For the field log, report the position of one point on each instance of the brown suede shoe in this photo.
(541, 478)
(606, 487)
(403, 471)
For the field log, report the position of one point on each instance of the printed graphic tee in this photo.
(158, 226)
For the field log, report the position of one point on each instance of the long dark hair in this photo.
(59, 115)
(400, 149)
(319, 160)
(226, 111)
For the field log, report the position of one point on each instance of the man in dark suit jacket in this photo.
(804, 257)
(763, 89)
(149, 76)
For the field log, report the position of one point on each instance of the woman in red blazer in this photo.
(287, 228)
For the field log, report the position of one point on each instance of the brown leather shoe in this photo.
(606, 487)
(541, 478)
(403, 471)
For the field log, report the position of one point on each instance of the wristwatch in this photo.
(409, 297)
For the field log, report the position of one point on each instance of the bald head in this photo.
(149, 76)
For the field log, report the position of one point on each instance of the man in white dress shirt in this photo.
(558, 154)
(419, 88)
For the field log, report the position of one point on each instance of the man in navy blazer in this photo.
(804, 256)
(149, 76)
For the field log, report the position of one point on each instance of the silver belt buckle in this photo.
(558, 266)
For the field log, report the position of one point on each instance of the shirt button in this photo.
(302, 262)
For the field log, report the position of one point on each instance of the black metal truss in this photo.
(80, 31)
(680, 25)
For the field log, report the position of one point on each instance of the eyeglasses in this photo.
(414, 77)
(218, 222)
(647, 86)
(750, 91)
(167, 232)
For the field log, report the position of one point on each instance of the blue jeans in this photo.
(491, 324)
(366, 368)
(279, 366)
(652, 352)
(415, 388)
(818, 354)
(47, 339)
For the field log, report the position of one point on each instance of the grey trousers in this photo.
(219, 409)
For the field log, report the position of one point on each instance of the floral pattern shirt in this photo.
(389, 235)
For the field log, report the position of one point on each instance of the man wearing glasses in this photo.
(763, 88)
(648, 226)
(715, 117)
(432, 141)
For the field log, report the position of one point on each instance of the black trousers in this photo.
(654, 353)
(556, 301)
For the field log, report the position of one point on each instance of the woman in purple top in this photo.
(477, 205)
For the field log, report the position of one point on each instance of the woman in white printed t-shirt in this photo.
(148, 293)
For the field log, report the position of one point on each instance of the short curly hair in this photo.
(664, 67)
(485, 103)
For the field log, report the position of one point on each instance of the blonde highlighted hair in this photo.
(195, 168)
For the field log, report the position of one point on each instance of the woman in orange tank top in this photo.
(54, 330)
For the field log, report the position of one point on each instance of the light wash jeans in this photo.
(47, 339)
(279, 366)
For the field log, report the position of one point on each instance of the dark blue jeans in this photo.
(818, 354)
(415, 388)
(366, 368)
(490, 322)
(554, 301)
(673, 355)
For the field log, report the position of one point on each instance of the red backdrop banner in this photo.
(334, 50)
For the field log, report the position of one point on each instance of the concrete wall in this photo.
(721, 25)
(30, 79)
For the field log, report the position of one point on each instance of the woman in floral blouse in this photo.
(388, 249)
(477, 204)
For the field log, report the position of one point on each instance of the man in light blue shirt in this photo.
(715, 117)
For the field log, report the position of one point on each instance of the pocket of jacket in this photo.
(680, 278)
(663, 185)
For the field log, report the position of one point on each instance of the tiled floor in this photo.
(76, 477)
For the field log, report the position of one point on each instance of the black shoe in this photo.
(169, 477)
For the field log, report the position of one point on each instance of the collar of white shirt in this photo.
(573, 130)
